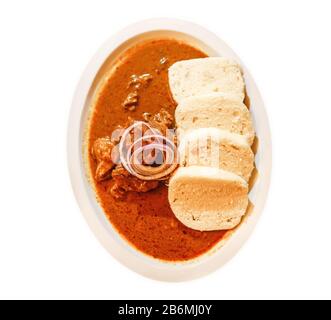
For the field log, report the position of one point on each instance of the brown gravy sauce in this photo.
(145, 219)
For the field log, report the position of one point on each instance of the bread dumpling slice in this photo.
(214, 111)
(206, 198)
(212, 147)
(189, 78)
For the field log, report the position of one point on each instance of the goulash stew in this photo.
(138, 90)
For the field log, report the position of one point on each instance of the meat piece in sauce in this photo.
(136, 82)
(161, 121)
(125, 182)
(103, 171)
(103, 149)
(102, 153)
(131, 101)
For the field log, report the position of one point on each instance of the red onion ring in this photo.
(131, 163)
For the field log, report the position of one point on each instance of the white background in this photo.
(47, 249)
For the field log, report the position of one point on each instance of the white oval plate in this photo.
(102, 228)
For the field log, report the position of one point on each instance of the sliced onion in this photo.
(160, 143)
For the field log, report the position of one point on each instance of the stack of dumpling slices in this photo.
(209, 191)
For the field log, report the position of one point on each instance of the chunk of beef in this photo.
(140, 81)
(102, 148)
(105, 152)
(131, 101)
(102, 153)
(161, 121)
(136, 82)
(103, 171)
(125, 182)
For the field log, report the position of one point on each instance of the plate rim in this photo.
(149, 267)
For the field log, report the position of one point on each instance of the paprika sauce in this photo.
(144, 219)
